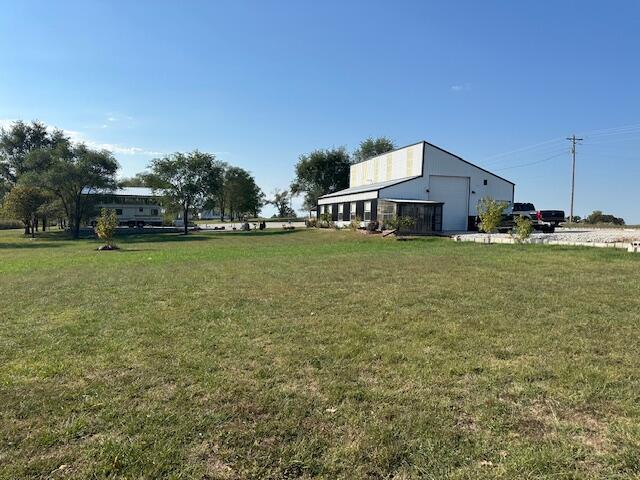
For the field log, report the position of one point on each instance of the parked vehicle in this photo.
(550, 219)
(542, 220)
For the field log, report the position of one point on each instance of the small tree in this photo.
(106, 226)
(523, 228)
(282, 201)
(22, 203)
(490, 212)
(355, 223)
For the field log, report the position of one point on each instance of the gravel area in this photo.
(594, 235)
(270, 225)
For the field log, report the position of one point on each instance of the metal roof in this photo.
(405, 200)
(122, 192)
(369, 188)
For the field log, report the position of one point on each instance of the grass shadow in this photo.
(28, 245)
(259, 233)
(160, 237)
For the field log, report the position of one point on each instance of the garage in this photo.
(453, 192)
(438, 190)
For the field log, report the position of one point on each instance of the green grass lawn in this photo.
(317, 354)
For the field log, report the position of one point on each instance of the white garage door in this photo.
(454, 192)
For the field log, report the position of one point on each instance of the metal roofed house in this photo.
(134, 206)
(437, 189)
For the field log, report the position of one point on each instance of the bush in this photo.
(325, 221)
(106, 226)
(523, 228)
(355, 223)
(400, 223)
(372, 226)
(311, 222)
(490, 212)
(8, 224)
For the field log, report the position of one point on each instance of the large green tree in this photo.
(188, 179)
(241, 194)
(141, 179)
(321, 172)
(372, 147)
(19, 141)
(69, 173)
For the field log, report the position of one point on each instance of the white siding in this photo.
(453, 192)
(415, 189)
(402, 163)
(438, 162)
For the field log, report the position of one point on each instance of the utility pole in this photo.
(574, 141)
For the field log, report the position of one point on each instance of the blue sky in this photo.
(259, 83)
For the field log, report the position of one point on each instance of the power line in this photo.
(521, 149)
(532, 163)
(573, 141)
(604, 132)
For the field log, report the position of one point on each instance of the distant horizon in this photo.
(259, 84)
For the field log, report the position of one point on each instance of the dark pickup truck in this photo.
(543, 220)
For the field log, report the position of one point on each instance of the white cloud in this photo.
(461, 87)
(118, 117)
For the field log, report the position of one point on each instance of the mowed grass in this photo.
(317, 354)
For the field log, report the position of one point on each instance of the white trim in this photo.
(354, 197)
(406, 200)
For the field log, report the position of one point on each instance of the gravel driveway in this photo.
(593, 235)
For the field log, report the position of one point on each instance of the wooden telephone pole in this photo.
(574, 141)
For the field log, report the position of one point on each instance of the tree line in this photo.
(44, 175)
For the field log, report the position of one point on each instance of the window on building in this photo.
(154, 211)
(118, 211)
(386, 212)
(353, 211)
(340, 210)
(141, 209)
(485, 181)
(367, 211)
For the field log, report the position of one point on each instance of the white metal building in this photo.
(134, 206)
(438, 189)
